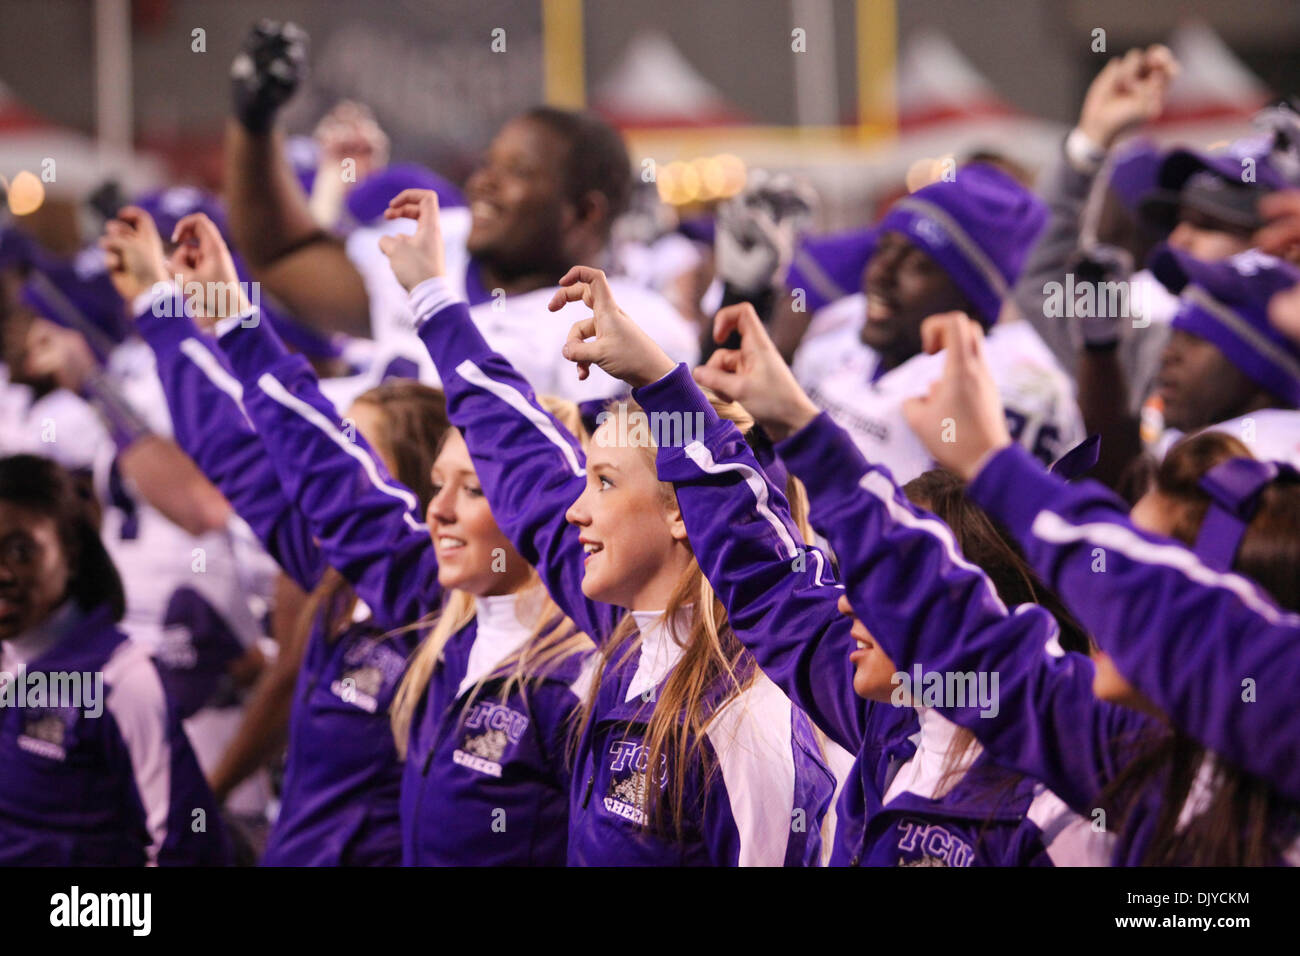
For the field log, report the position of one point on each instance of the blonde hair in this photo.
(714, 668)
(553, 640)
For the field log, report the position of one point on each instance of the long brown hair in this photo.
(1243, 819)
(714, 668)
(410, 428)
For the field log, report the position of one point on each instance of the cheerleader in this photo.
(921, 791)
(97, 770)
(1161, 796)
(687, 754)
(1215, 656)
(482, 713)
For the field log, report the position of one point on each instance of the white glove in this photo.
(757, 230)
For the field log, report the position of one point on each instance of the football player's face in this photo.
(904, 286)
(1198, 385)
(33, 569)
(517, 203)
(1207, 238)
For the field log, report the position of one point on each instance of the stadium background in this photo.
(114, 89)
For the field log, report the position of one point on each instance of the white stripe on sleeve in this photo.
(271, 386)
(208, 364)
(1054, 529)
(884, 489)
(701, 455)
(515, 399)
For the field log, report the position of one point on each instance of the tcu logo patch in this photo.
(45, 732)
(627, 793)
(932, 845)
(488, 731)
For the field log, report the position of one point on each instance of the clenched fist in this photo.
(266, 72)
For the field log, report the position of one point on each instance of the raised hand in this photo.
(617, 344)
(755, 374)
(134, 252)
(417, 257)
(961, 421)
(267, 70)
(1127, 92)
(350, 131)
(202, 257)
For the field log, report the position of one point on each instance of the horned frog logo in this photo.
(627, 797)
(631, 789)
(490, 745)
(923, 861)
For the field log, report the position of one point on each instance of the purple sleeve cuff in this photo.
(1013, 487)
(676, 392)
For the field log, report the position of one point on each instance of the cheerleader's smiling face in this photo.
(873, 671)
(473, 553)
(633, 536)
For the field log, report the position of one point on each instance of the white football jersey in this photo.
(518, 326)
(1271, 434)
(835, 368)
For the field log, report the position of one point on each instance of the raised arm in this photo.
(907, 583)
(270, 216)
(780, 594)
(530, 467)
(367, 524)
(204, 399)
(208, 420)
(1213, 652)
(926, 605)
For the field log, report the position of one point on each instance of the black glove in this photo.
(266, 72)
(1098, 265)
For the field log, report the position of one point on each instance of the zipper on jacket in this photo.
(591, 785)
